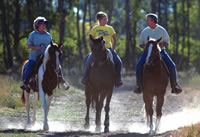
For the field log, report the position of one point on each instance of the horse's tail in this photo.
(23, 97)
(22, 69)
(22, 78)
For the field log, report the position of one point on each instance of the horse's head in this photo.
(152, 50)
(98, 48)
(53, 55)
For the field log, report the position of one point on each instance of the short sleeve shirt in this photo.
(37, 39)
(155, 33)
(106, 32)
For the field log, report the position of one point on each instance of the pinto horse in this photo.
(155, 80)
(101, 82)
(47, 79)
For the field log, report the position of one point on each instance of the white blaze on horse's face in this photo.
(149, 52)
(46, 57)
(57, 61)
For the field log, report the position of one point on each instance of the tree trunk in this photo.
(166, 3)
(188, 33)
(90, 14)
(128, 28)
(134, 43)
(183, 35)
(153, 6)
(176, 32)
(5, 32)
(83, 27)
(29, 12)
(17, 30)
(62, 21)
(110, 9)
(159, 11)
(78, 32)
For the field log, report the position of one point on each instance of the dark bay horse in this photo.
(155, 80)
(47, 79)
(101, 82)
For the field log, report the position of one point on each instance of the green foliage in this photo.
(138, 10)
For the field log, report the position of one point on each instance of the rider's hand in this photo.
(163, 44)
(142, 46)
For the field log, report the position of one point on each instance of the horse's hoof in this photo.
(46, 127)
(106, 130)
(33, 123)
(151, 132)
(28, 125)
(86, 126)
(98, 129)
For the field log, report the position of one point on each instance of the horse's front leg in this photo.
(107, 109)
(148, 100)
(42, 96)
(49, 101)
(27, 104)
(34, 106)
(160, 101)
(99, 106)
(44, 104)
(88, 102)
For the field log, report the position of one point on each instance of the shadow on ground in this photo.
(83, 133)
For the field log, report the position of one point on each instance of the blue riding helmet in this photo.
(38, 21)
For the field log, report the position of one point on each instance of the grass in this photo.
(190, 131)
(10, 93)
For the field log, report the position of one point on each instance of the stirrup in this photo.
(23, 86)
(176, 90)
(138, 90)
(118, 84)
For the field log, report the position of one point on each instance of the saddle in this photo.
(33, 83)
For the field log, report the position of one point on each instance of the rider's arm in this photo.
(142, 40)
(165, 39)
(114, 41)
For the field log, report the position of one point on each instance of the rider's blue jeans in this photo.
(29, 69)
(170, 64)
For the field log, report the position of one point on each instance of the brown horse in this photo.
(101, 82)
(47, 79)
(155, 80)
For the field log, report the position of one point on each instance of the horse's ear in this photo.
(101, 38)
(60, 45)
(51, 43)
(158, 40)
(91, 37)
(148, 38)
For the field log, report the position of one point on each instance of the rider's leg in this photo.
(172, 69)
(86, 69)
(139, 67)
(118, 82)
(28, 74)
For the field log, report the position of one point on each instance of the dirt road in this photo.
(66, 117)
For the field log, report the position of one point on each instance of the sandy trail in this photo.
(66, 117)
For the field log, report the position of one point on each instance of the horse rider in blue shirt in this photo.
(38, 41)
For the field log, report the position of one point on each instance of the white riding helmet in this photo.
(38, 21)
